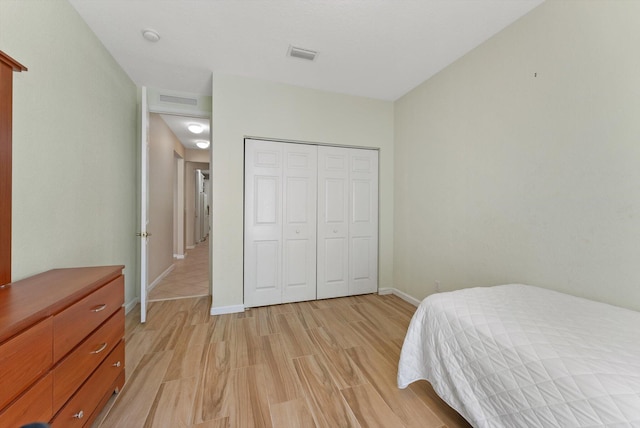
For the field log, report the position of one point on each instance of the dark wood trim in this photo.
(15, 65)
(7, 66)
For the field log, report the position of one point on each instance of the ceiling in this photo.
(373, 48)
(178, 125)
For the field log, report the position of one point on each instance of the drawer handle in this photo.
(79, 415)
(117, 364)
(99, 308)
(100, 349)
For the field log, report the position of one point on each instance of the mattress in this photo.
(521, 356)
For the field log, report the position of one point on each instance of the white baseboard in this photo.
(160, 278)
(128, 307)
(233, 309)
(179, 256)
(190, 247)
(401, 294)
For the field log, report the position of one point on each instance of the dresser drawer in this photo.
(84, 359)
(33, 406)
(24, 358)
(74, 323)
(82, 408)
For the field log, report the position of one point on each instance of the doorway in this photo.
(174, 105)
(178, 263)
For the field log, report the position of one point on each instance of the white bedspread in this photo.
(522, 356)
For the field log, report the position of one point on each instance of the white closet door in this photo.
(333, 222)
(263, 223)
(363, 221)
(280, 222)
(299, 229)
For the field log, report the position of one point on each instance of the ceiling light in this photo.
(195, 128)
(202, 144)
(151, 35)
(301, 53)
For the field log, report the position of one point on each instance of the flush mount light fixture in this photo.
(202, 144)
(150, 35)
(195, 128)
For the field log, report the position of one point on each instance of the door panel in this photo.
(263, 224)
(333, 225)
(266, 202)
(363, 227)
(265, 265)
(280, 209)
(299, 228)
(335, 200)
(361, 191)
(335, 268)
(296, 272)
(361, 257)
(297, 204)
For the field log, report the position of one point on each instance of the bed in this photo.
(521, 356)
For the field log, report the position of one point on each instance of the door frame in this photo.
(161, 101)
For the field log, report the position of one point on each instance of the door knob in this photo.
(297, 230)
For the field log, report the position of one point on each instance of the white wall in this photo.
(502, 175)
(247, 107)
(163, 145)
(74, 139)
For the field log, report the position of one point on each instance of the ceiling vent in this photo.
(178, 100)
(307, 54)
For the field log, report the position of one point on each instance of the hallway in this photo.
(189, 278)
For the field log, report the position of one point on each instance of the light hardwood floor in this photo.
(327, 363)
(189, 277)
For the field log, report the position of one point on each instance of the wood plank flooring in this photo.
(326, 363)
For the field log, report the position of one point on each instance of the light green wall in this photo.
(74, 134)
(502, 175)
(247, 107)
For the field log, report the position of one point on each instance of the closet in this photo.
(310, 222)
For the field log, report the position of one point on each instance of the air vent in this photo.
(307, 54)
(178, 100)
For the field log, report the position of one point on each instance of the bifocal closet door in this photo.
(333, 222)
(363, 221)
(347, 221)
(263, 223)
(300, 197)
(280, 222)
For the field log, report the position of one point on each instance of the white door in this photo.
(347, 221)
(363, 221)
(280, 222)
(299, 222)
(263, 223)
(144, 202)
(333, 222)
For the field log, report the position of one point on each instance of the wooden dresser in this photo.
(61, 346)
